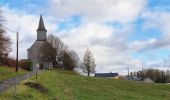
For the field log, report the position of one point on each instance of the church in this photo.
(41, 52)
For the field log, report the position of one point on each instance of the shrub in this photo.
(26, 64)
(11, 62)
(68, 62)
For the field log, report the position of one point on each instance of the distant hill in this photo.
(63, 85)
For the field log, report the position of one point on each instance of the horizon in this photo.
(121, 34)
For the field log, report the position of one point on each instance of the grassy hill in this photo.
(7, 72)
(63, 85)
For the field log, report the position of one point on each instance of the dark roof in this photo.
(41, 26)
(134, 78)
(38, 44)
(106, 74)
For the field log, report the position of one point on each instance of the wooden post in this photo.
(36, 74)
(37, 68)
(28, 76)
(17, 53)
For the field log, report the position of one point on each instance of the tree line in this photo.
(158, 76)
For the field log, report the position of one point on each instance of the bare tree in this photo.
(88, 63)
(5, 41)
(75, 57)
(50, 39)
(47, 52)
(59, 47)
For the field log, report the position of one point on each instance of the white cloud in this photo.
(122, 11)
(142, 45)
(158, 19)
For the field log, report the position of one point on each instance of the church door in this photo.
(41, 66)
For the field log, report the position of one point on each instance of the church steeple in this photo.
(41, 31)
(41, 26)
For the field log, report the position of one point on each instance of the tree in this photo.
(59, 47)
(70, 60)
(50, 39)
(88, 63)
(5, 41)
(64, 58)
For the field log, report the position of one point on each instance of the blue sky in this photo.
(120, 33)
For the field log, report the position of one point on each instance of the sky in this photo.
(121, 34)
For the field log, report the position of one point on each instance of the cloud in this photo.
(142, 45)
(122, 11)
(158, 19)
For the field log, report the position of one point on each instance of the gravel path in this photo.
(12, 81)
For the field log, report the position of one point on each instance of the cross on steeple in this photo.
(41, 26)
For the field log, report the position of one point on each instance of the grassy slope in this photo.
(68, 86)
(7, 72)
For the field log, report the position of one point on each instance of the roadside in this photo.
(9, 72)
(12, 81)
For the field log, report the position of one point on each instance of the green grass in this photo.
(63, 85)
(8, 72)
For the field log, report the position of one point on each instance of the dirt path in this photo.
(12, 81)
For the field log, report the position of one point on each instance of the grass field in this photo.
(8, 72)
(63, 85)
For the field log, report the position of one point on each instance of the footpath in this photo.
(14, 80)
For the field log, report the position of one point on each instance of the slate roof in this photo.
(41, 26)
(38, 44)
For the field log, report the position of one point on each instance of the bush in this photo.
(68, 62)
(4, 58)
(11, 62)
(26, 64)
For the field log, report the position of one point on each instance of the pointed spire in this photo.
(41, 26)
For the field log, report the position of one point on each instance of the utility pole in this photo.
(17, 53)
(128, 73)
